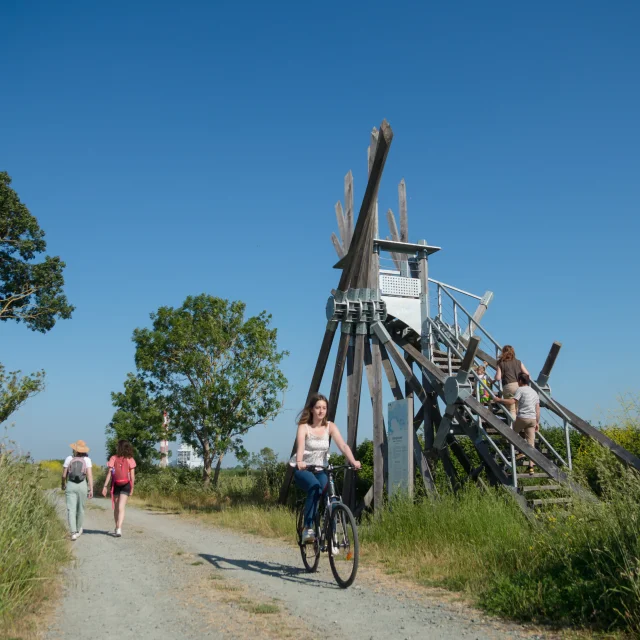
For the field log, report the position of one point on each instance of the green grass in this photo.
(33, 544)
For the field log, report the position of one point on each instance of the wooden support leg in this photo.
(354, 389)
(373, 368)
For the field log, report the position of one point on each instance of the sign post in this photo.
(400, 443)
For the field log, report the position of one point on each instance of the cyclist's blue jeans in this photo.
(313, 485)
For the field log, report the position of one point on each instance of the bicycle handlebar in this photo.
(315, 469)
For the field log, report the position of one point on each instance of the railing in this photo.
(447, 327)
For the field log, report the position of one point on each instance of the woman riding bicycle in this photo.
(312, 450)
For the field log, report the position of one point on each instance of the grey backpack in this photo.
(77, 470)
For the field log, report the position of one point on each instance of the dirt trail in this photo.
(171, 577)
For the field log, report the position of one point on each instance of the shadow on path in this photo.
(96, 532)
(271, 569)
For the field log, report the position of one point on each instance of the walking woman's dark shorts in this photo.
(122, 488)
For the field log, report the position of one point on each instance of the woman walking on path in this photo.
(508, 370)
(312, 450)
(122, 476)
(77, 484)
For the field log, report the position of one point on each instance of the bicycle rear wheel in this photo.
(310, 551)
(344, 548)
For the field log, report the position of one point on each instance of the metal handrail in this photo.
(534, 385)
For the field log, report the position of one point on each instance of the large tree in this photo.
(16, 389)
(138, 419)
(30, 289)
(218, 373)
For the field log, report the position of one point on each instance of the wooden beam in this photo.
(545, 372)
(342, 224)
(483, 305)
(404, 218)
(373, 367)
(390, 373)
(470, 355)
(584, 427)
(358, 241)
(355, 365)
(337, 246)
(348, 204)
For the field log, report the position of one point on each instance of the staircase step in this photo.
(524, 476)
(545, 501)
(541, 487)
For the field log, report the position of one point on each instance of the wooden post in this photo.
(373, 366)
(348, 205)
(545, 372)
(479, 312)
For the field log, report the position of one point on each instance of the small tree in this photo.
(16, 389)
(30, 291)
(218, 373)
(138, 419)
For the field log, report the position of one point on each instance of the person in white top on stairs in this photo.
(312, 450)
(528, 416)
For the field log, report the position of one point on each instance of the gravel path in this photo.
(173, 577)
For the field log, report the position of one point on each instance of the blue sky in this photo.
(172, 149)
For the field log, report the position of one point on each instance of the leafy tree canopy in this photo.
(30, 291)
(218, 373)
(16, 389)
(138, 419)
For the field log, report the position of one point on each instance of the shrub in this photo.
(32, 539)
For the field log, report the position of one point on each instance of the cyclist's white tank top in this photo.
(316, 449)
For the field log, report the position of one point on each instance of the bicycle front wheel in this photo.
(310, 551)
(343, 544)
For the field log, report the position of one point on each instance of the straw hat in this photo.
(80, 446)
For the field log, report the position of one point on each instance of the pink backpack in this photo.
(121, 471)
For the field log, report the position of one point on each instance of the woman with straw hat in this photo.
(77, 484)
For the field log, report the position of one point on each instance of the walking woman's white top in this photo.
(316, 449)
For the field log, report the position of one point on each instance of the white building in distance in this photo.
(187, 457)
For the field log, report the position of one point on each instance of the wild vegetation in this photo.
(33, 543)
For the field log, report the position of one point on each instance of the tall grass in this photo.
(32, 542)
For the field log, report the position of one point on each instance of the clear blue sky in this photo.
(170, 149)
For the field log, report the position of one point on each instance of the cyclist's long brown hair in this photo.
(306, 415)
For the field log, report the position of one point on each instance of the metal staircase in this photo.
(455, 345)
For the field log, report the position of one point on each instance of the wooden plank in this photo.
(404, 219)
(543, 501)
(358, 241)
(545, 372)
(342, 224)
(584, 427)
(391, 222)
(540, 487)
(470, 355)
(422, 464)
(483, 305)
(348, 204)
(338, 373)
(390, 373)
(354, 390)
(337, 246)
(373, 368)
(372, 150)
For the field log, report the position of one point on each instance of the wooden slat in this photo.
(524, 476)
(470, 354)
(584, 427)
(543, 501)
(373, 368)
(540, 487)
(337, 246)
(545, 372)
(366, 209)
(342, 224)
(354, 390)
(348, 204)
(404, 218)
(390, 373)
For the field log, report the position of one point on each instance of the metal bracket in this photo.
(360, 306)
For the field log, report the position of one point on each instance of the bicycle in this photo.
(335, 533)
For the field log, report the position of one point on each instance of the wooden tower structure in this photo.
(392, 318)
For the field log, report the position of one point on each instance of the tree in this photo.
(138, 419)
(30, 291)
(16, 389)
(217, 372)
